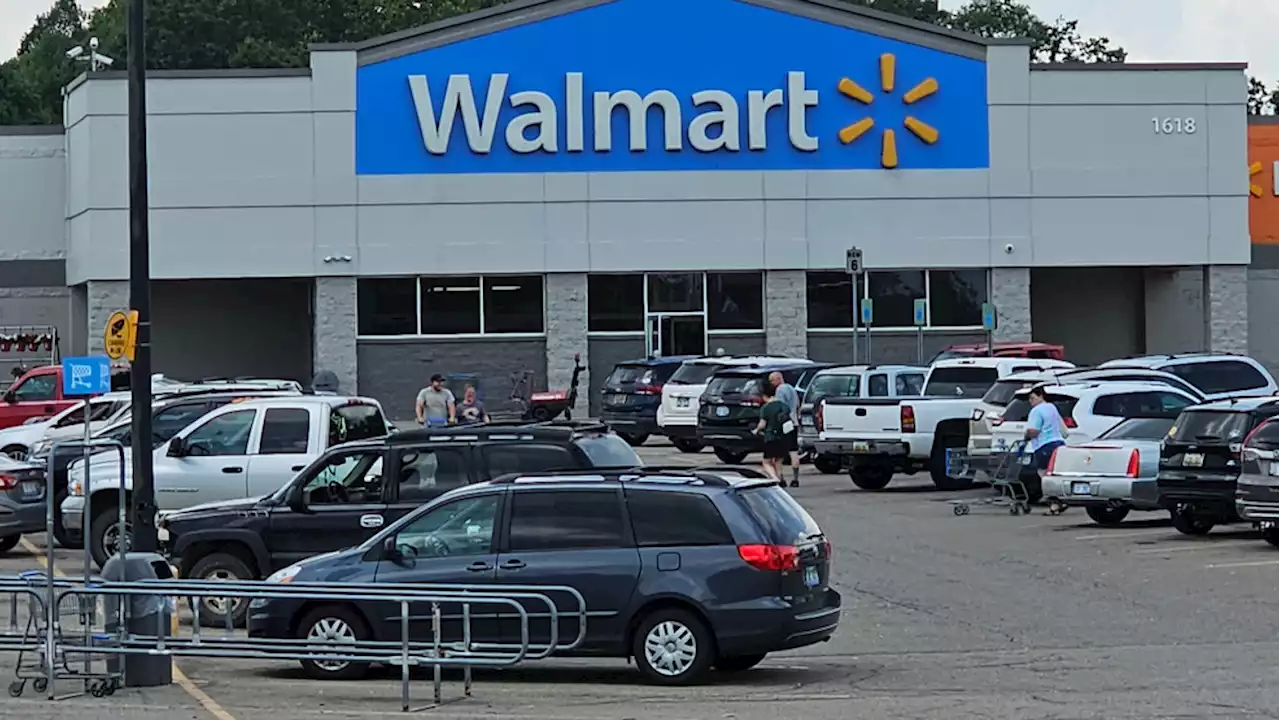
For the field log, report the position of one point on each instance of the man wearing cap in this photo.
(436, 406)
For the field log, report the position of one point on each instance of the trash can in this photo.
(144, 615)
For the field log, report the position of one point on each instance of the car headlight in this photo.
(41, 447)
(284, 576)
(76, 487)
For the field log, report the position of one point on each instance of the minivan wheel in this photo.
(1190, 524)
(222, 567)
(730, 457)
(336, 625)
(687, 446)
(871, 477)
(1104, 515)
(672, 647)
(738, 663)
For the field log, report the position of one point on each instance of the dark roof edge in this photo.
(521, 5)
(197, 74)
(32, 130)
(1140, 66)
(1263, 119)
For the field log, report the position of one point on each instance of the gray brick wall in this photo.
(566, 318)
(393, 371)
(1011, 294)
(334, 336)
(1227, 309)
(886, 347)
(785, 314)
(104, 298)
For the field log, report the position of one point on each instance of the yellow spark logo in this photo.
(888, 138)
(1254, 188)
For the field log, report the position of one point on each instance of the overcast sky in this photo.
(1151, 30)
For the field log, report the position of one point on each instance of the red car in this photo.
(1037, 350)
(38, 393)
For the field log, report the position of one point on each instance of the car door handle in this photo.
(297, 468)
(513, 565)
(232, 470)
(479, 566)
(49, 409)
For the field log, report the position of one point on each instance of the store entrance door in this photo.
(668, 334)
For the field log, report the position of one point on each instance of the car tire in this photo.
(1190, 524)
(16, 452)
(738, 663)
(334, 622)
(634, 440)
(827, 464)
(1107, 516)
(664, 640)
(871, 477)
(1271, 535)
(687, 446)
(102, 527)
(938, 465)
(223, 567)
(9, 542)
(730, 457)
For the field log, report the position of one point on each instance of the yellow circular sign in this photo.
(116, 338)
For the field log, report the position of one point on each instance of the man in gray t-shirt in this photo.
(436, 405)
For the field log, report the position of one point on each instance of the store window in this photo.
(735, 301)
(450, 305)
(387, 306)
(675, 292)
(956, 297)
(893, 294)
(829, 296)
(615, 303)
(513, 304)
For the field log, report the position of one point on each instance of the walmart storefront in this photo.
(501, 191)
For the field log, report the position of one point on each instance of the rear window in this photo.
(1019, 409)
(1267, 436)
(608, 451)
(673, 519)
(360, 421)
(1213, 426)
(1220, 376)
(1003, 391)
(961, 381)
(1139, 429)
(625, 374)
(781, 517)
(735, 385)
(825, 386)
(694, 373)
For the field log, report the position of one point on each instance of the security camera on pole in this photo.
(96, 60)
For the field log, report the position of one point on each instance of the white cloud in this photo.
(17, 16)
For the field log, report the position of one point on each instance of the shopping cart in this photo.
(1006, 480)
(34, 665)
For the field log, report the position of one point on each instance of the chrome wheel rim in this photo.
(111, 539)
(335, 631)
(222, 606)
(670, 648)
(19, 455)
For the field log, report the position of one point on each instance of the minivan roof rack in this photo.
(683, 475)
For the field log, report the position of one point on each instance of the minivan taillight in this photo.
(776, 558)
(907, 419)
(1132, 470)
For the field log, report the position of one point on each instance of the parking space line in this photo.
(179, 677)
(1211, 545)
(1250, 563)
(1122, 535)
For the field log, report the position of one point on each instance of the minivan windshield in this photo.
(967, 382)
(1212, 426)
(694, 373)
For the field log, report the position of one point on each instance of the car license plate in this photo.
(617, 399)
(682, 402)
(1193, 460)
(722, 411)
(32, 489)
(861, 447)
(811, 578)
(1080, 488)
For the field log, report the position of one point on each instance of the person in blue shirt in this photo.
(1046, 430)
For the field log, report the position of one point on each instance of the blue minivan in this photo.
(632, 393)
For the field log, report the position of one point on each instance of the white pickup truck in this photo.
(877, 437)
(244, 449)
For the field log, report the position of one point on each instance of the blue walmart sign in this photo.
(623, 87)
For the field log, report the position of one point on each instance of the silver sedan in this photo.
(1113, 475)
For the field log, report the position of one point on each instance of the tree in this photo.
(1263, 100)
(204, 34)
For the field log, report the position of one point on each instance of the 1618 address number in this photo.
(1173, 125)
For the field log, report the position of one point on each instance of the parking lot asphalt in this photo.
(981, 616)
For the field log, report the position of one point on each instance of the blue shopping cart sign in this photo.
(920, 312)
(866, 310)
(990, 318)
(86, 375)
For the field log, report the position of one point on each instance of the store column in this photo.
(103, 298)
(1227, 308)
(1011, 294)
(566, 315)
(786, 316)
(334, 336)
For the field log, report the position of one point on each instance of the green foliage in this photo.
(200, 34)
(1263, 100)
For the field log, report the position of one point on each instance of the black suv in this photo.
(730, 408)
(1200, 461)
(630, 396)
(169, 415)
(342, 498)
(681, 569)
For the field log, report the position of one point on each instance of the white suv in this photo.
(1217, 375)
(678, 413)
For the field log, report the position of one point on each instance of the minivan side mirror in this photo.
(177, 448)
(9, 397)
